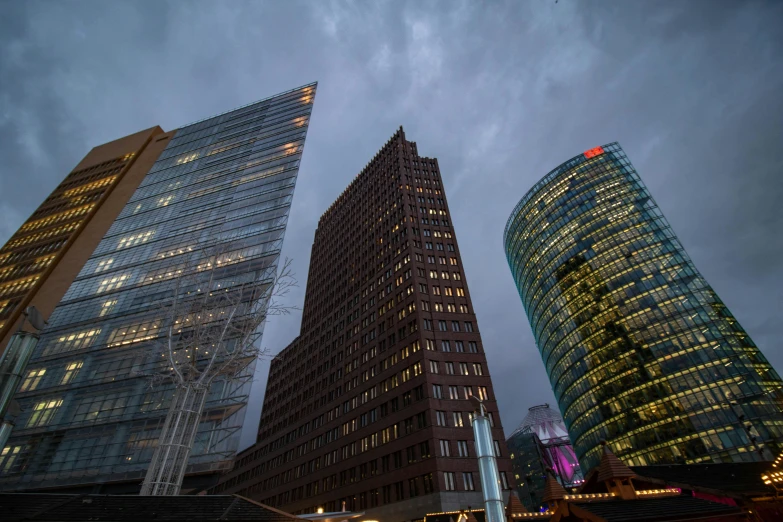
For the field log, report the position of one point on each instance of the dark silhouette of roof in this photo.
(552, 489)
(611, 467)
(658, 509)
(514, 505)
(47, 507)
(732, 478)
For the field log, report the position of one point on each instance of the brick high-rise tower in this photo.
(369, 405)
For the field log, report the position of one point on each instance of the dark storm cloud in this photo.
(500, 92)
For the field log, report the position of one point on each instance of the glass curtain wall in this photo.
(638, 347)
(89, 411)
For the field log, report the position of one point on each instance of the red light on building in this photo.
(594, 152)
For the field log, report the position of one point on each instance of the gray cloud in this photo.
(500, 92)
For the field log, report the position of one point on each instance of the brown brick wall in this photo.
(379, 241)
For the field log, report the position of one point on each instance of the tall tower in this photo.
(89, 413)
(42, 258)
(638, 347)
(369, 406)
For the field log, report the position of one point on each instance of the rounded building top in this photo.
(554, 173)
(544, 422)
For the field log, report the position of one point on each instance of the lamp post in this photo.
(494, 510)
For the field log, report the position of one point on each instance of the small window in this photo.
(448, 479)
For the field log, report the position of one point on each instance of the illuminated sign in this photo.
(594, 152)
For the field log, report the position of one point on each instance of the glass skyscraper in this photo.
(639, 349)
(89, 412)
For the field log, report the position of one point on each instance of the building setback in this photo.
(369, 406)
(42, 258)
(639, 348)
(90, 417)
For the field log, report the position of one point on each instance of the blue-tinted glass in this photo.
(639, 349)
(89, 413)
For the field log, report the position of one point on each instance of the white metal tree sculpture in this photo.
(213, 320)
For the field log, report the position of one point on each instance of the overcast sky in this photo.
(499, 92)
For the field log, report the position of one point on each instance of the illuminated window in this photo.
(8, 456)
(135, 239)
(73, 341)
(32, 379)
(187, 158)
(70, 371)
(43, 412)
(112, 283)
(107, 307)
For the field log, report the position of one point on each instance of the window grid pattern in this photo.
(228, 179)
(35, 246)
(378, 381)
(639, 349)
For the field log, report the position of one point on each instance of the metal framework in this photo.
(556, 448)
(214, 322)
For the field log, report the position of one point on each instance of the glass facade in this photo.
(551, 434)
(89, 412)
(639, 349)
(38, 244)
(528, 464)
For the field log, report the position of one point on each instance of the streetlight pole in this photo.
(494, 509)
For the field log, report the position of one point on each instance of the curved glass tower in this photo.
(639, 349)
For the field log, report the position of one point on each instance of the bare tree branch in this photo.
(219, 304)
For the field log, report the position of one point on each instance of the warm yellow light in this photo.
(320, 510)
